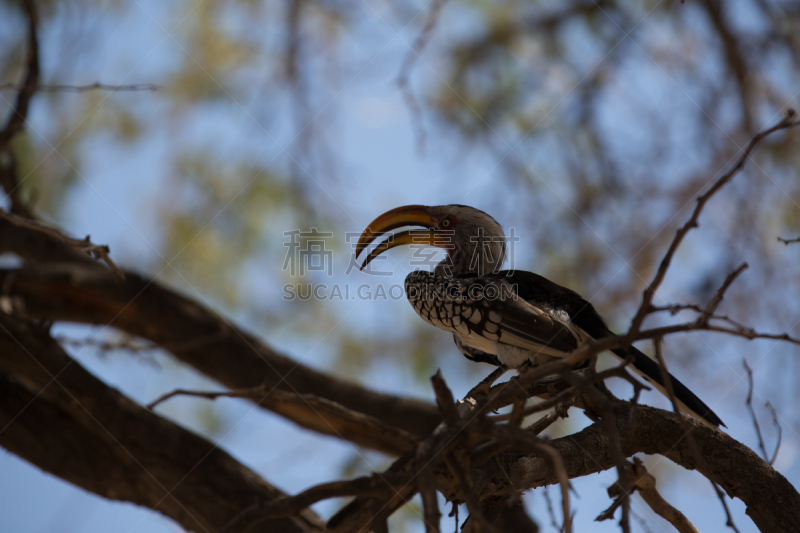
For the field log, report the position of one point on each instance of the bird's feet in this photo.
(483, 388)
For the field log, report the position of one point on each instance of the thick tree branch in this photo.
(203, 339)
(56, 415)
(98, 251)
(772, 502)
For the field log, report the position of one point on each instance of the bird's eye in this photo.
(446, 223)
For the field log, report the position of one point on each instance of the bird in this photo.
(507, 318)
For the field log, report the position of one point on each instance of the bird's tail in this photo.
(688, 402)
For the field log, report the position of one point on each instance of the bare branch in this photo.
(749, 403)
(787, 242)
(444, 398)
(342, 422)
(290, 505)
(19, 114)
(99, 252)
(647, 297)
(715, 301)
(145, 308)
(116, 448)
(408, 64)
(746, 333)
(645, 485)
(778, 428)
(96, 86)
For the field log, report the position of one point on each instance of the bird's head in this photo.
(474, 241)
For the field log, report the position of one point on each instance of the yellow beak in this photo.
(409, 215)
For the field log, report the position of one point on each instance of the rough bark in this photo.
(772, 502)
(56, 415)
(90, 294)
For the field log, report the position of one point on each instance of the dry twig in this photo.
(749, 403)
(97, 251)
(644, 483)
(96, 86)
(405, 71)
(647, 297)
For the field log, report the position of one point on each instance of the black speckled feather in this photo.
(536, 313)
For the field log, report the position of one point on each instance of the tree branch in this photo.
(56, 415)
(96, 86)
(203, 339)
(342, 422)
(19, 114)
(772, 502)
(97, 251)
(16, 120)
(647, 297)
(645, 484)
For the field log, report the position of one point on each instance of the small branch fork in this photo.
(408, 64)
(20, 214)
(97, 251)
(646, 306)
(645, 484)
(749, 403)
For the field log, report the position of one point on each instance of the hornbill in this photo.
(505, 318)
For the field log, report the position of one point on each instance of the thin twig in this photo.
(16, 120)
(444, 398)
(290, 505)
(708, 312)
(19, 114)
(473, 504)
(208, 395)
(97, 86)
(747, 333)
(645, 484)
(97, 251)
(405, 71)
(712, 477)
(647, 296)
(749, 403)
(779, 429)
(550, 510)
(787, 242)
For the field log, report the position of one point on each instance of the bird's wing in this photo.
(559, 300)
(490, 309)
